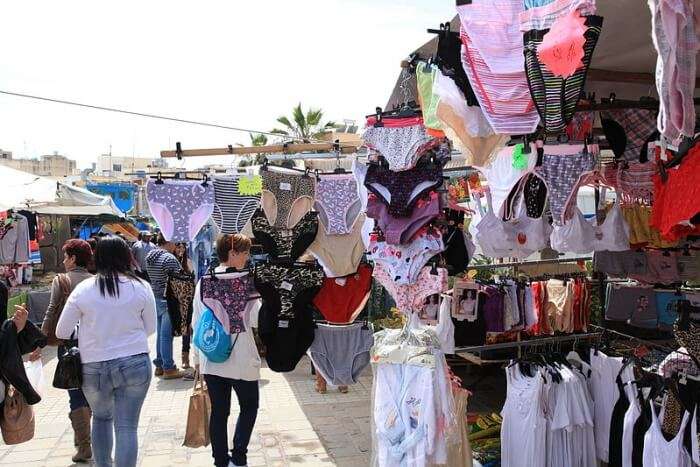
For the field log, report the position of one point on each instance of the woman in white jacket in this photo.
(116, 313)
(241, 371)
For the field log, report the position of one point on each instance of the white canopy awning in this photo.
(22, 190)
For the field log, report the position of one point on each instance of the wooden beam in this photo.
(290, 148)
(612, 76)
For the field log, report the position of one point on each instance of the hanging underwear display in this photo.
(401, 147)
(286, 197)
(180, 207)
(326, 247)
(400, 230)
(232, 209)
(411, 298)
(402, 190)
(627, 131)
(556, 97)
(286, 338)
(560, 173)
(341, 299)
(492, 57)
(405, 262)
(337, 203)
(287, 289)
(282, 245)
(340, 353)
(227, 298)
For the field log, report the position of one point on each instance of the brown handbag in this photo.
(17, 423)
(197, 432)
(48, 326)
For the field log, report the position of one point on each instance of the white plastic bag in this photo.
(35, 375)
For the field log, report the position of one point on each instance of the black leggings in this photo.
(248, 395)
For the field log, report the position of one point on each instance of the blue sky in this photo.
(238, 63)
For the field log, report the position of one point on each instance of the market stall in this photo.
(528, 195)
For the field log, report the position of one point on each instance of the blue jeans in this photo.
(164, 337)
(116, 390)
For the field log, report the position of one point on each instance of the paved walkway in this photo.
(295, 425)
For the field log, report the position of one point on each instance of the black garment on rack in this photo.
(455, 255)
(286, 339)
(449, 60)
(641, 426)
(31, 223)
(469, 333)
(617, 425)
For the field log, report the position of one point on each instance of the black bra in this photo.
(279, 245)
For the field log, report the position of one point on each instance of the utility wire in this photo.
(148, 115)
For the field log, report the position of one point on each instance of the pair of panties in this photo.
(401, 190)
(181, 208)
(635, 183)
(677, 200)
(286, 289)
(337, 203)
(411, 298)
(286, 197)
(340, 353)
(227, 298)
(281, 245)
(341, 299)
(181, 288)
(326, 247)
(449, 61)
(400, 230)
(232, 210)
(561, 174)
(556, 97)
(405, 262)
(427, 98)
(627, 131)
(493, 61)
(401, 147)
(287, 338)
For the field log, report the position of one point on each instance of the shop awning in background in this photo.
(22, 190)
(129, 231)
(58, 210)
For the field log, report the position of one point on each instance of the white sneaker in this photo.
(231, 464)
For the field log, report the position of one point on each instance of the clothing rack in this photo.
(530, 263)
(285, 148)
(527, 343)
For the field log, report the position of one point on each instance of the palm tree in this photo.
(255, 140)
(303, 126)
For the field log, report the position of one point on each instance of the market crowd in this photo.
(101, 312)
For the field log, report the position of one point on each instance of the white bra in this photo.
(492, 234)
(614, 233)
(530, 234)
(576, 235)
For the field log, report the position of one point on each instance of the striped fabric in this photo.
(232, 210)
(543, 17)
(556, 97)
(158, 264)
(492, 57)
(675, 64)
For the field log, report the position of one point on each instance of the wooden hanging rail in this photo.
(288, 148)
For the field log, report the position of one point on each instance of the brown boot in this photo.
(158, 372)
(172, 374)
(80, 419)
(185, 360)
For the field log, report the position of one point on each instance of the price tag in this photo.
(471, 274)
(250, 185)
(286, 186)
(283, 324)
(561, 50)
(286, 286)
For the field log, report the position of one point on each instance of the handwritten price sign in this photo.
(561, 50)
